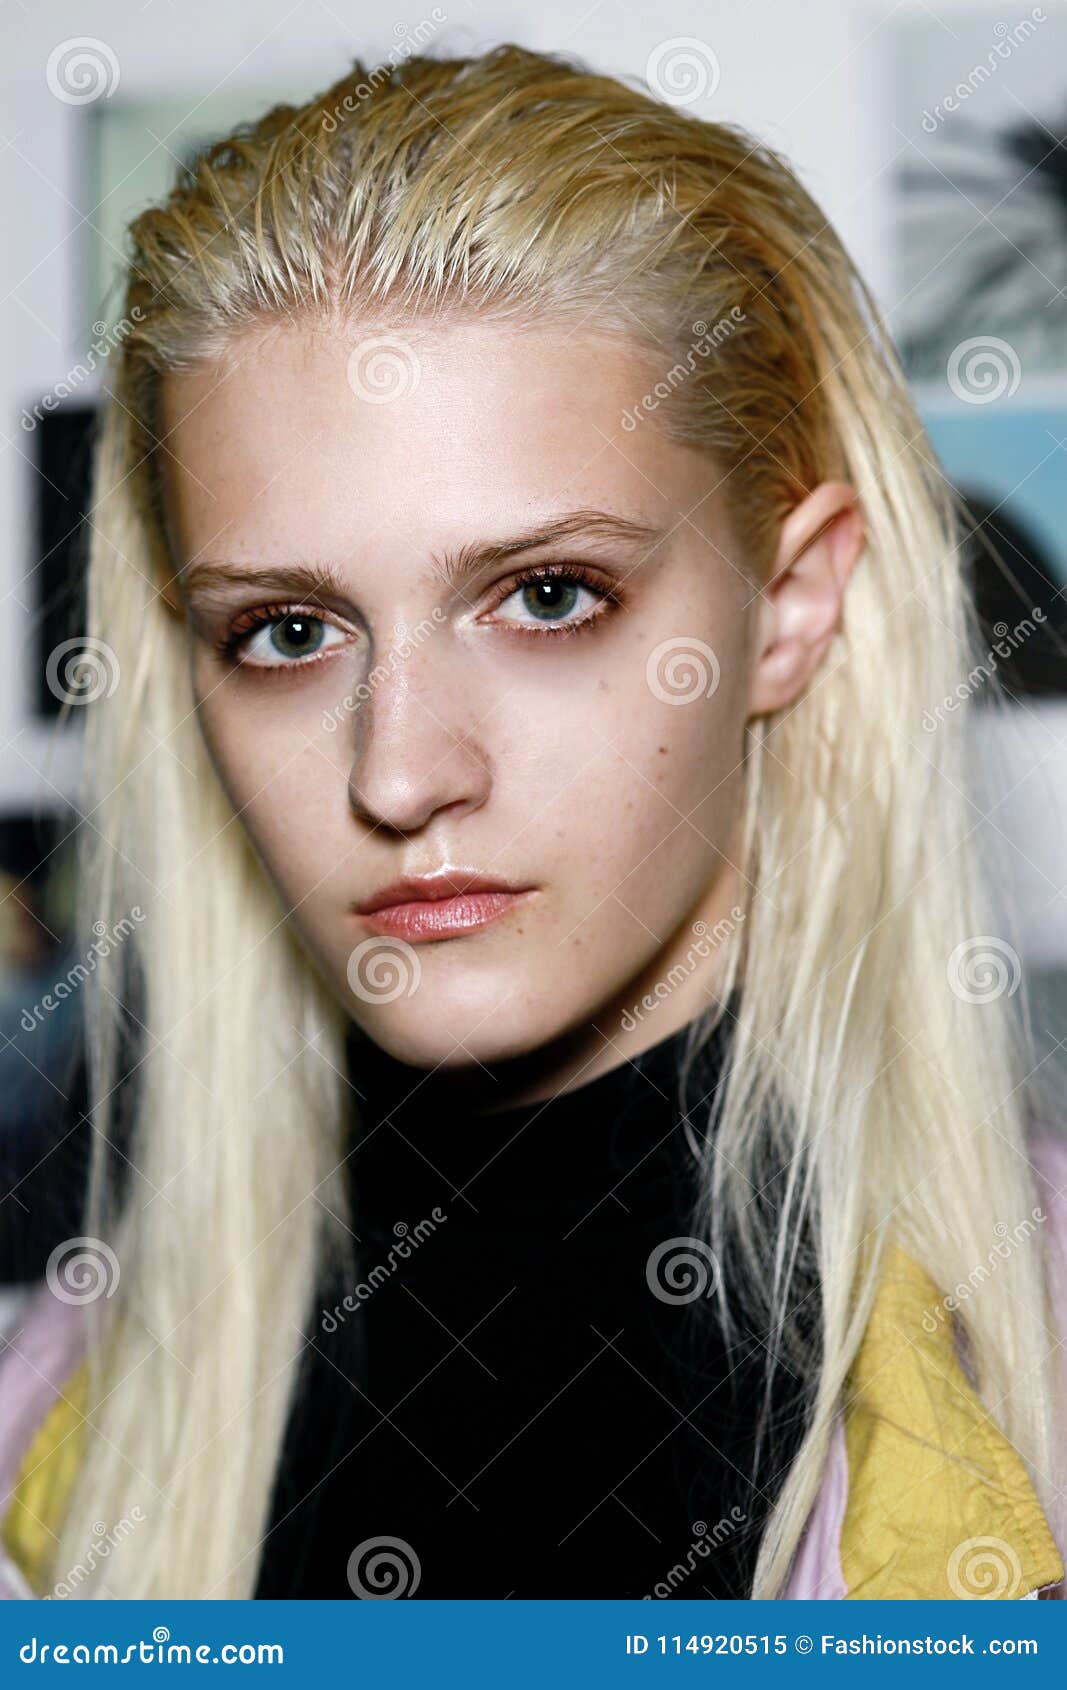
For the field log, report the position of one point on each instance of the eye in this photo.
(274, 640)
(552, 597)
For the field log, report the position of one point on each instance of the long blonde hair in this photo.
(520, 185)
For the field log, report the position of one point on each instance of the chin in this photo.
(433, 1035)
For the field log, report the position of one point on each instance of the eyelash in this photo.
(537, 572)
(251, 621)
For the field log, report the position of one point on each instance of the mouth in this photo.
(443, 906)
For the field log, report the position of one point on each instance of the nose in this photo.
(417, 749)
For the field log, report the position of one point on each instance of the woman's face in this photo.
(449, 618)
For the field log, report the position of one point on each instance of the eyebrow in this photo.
(453, 567)
(295, 580)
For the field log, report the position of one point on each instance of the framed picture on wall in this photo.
(980, 247)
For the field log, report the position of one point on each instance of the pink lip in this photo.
(439, 906)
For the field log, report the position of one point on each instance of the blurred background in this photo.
(935, 138)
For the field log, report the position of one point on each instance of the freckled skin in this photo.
(541, 759)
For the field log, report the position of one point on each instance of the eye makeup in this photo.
(536, 588)
(248, 628)
(547, 595)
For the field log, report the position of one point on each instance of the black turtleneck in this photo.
(520, 1390)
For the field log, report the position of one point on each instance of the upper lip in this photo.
(429, 888)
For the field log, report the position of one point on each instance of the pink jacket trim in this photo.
(816, 1571)
(46, 1340)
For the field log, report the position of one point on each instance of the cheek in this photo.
(282, 777)
(630, 792)
(664, 805)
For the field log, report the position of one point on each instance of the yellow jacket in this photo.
(922, 1494)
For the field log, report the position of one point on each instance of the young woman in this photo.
(557, 1131)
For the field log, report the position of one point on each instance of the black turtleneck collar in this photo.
(590, 1155)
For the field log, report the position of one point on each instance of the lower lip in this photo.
(443, 918)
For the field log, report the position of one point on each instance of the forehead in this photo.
(348, 430)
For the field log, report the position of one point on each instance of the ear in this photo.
(800, 607)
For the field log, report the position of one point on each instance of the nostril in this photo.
(403, 782)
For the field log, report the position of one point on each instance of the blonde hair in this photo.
(520, 185)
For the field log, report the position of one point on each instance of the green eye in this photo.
(284, 640)
(552, 599)
(295, 636)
